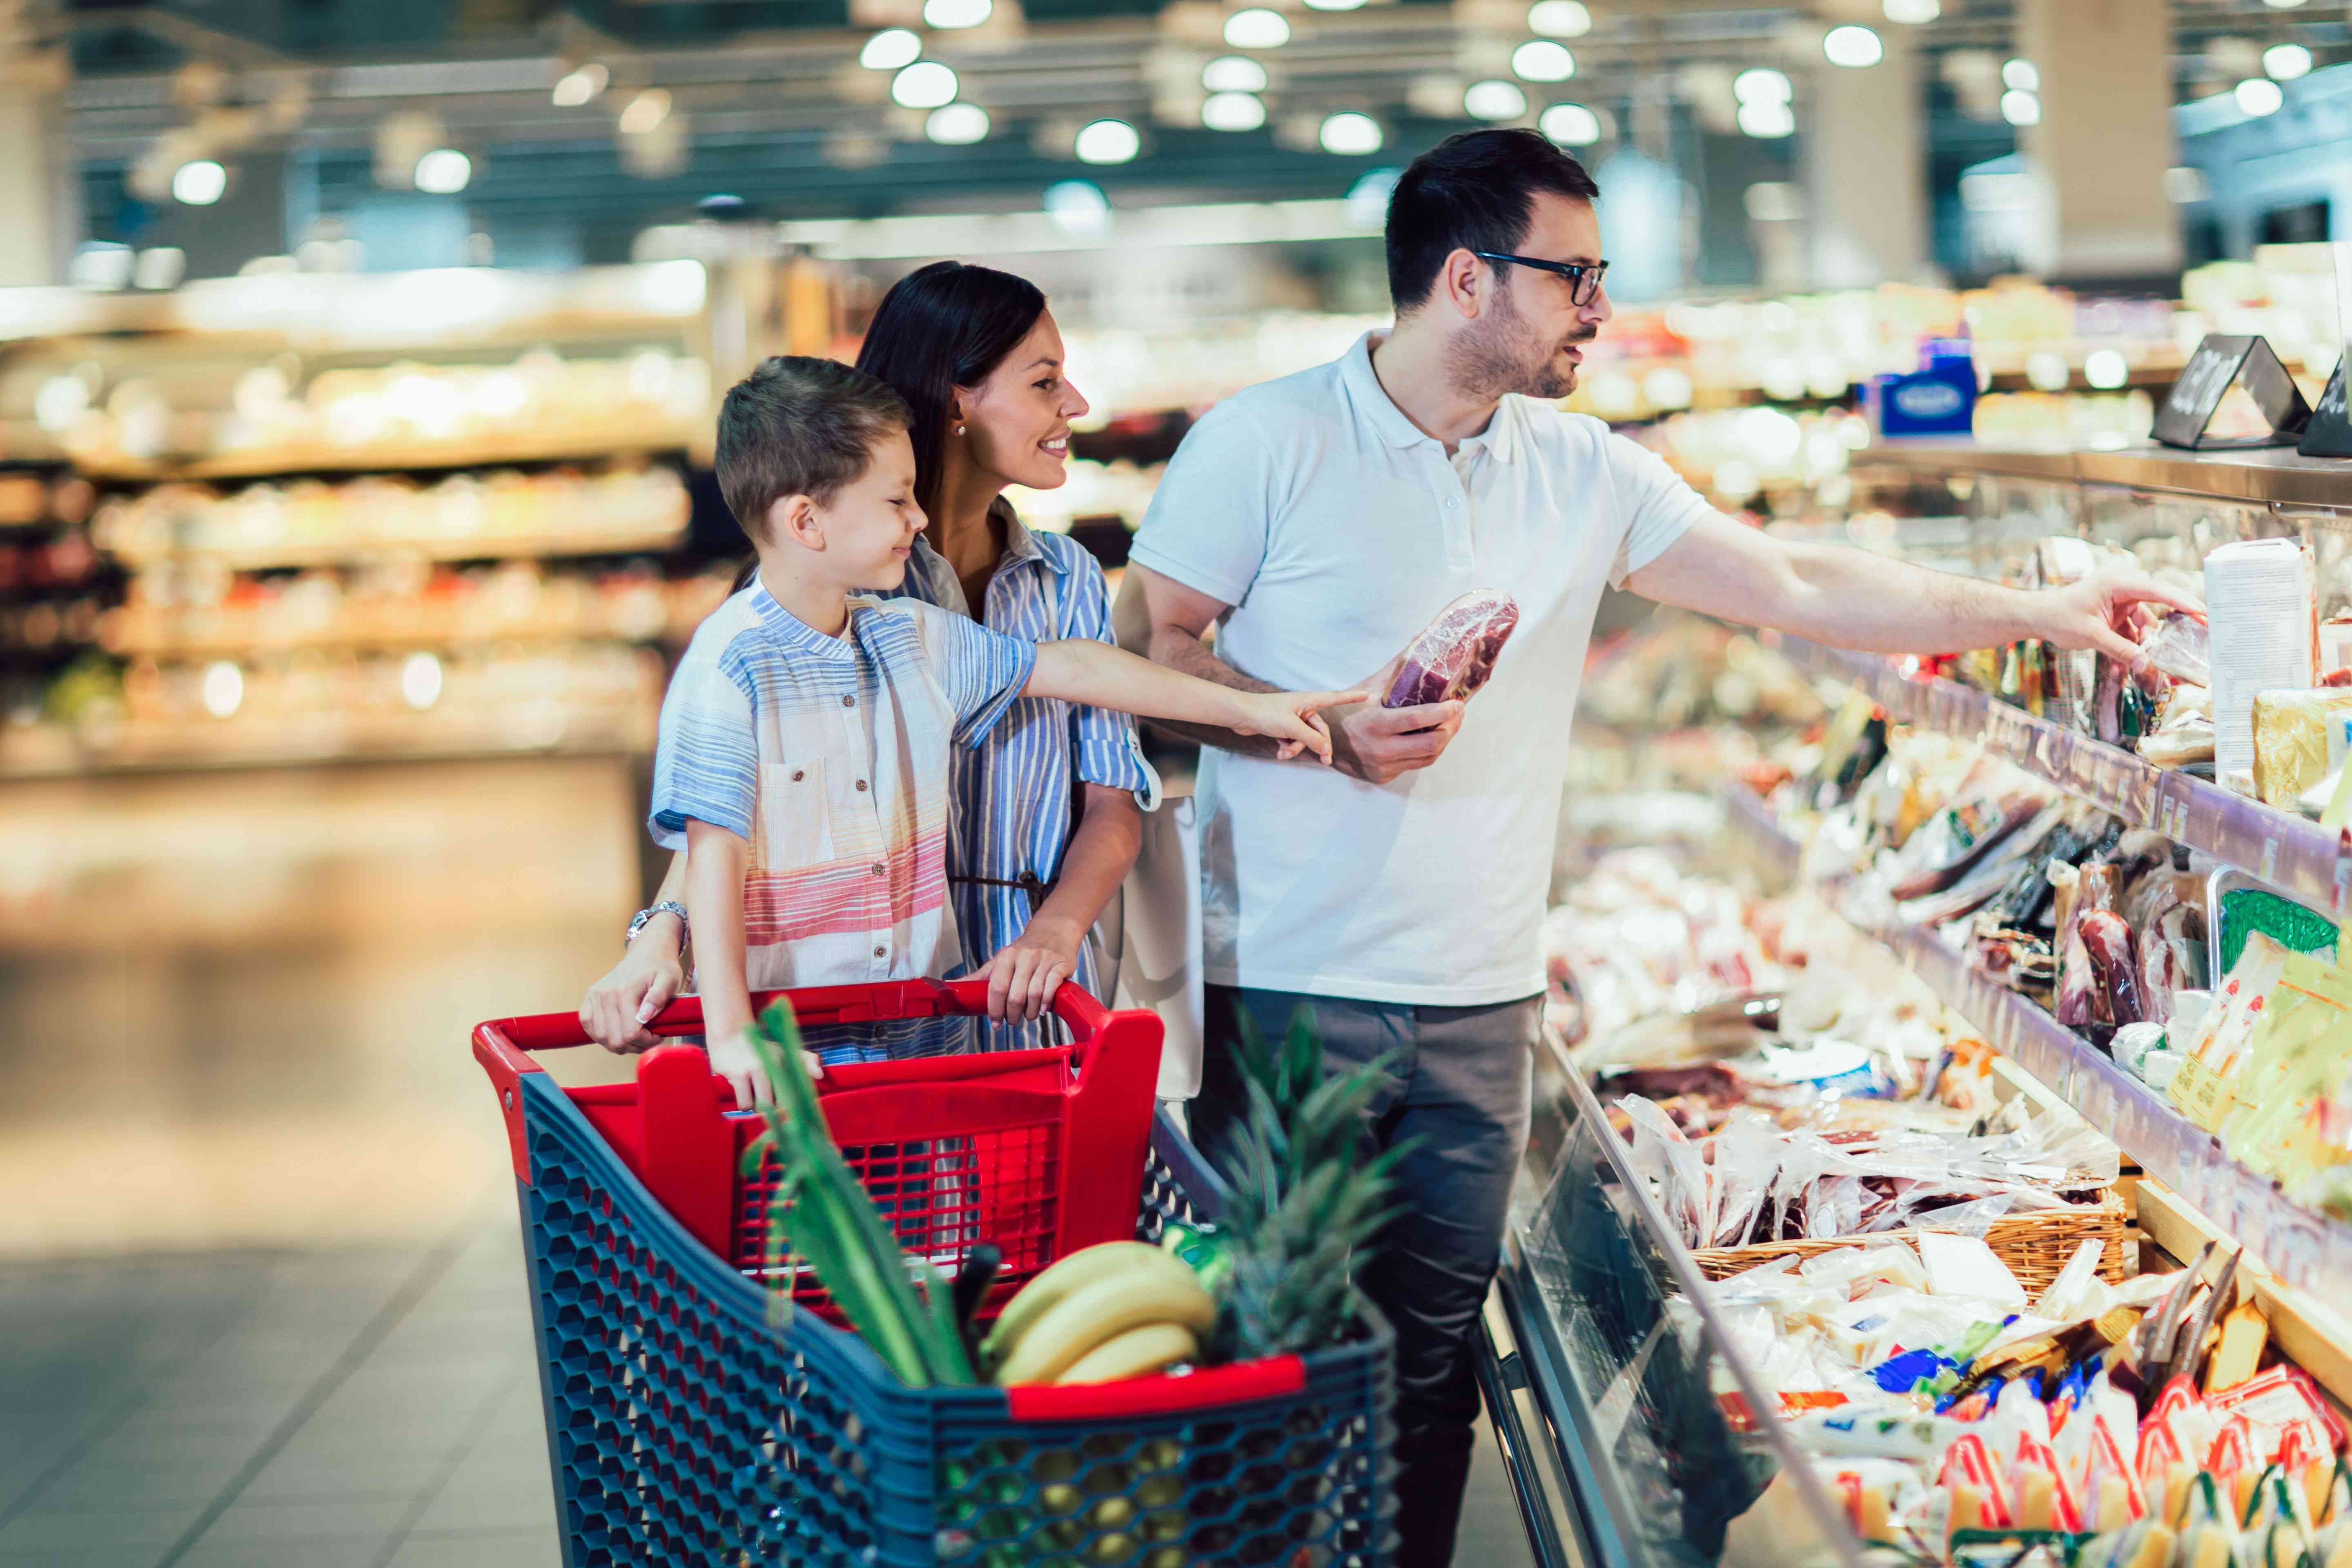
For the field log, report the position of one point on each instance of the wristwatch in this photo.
(667, 907)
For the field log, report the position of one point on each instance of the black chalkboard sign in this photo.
(2329, 434)
(2220, 361)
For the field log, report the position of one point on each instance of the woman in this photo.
(1049, 805)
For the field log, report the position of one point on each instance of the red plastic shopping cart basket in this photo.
(685, 1426)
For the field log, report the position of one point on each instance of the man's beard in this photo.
(1498, 356)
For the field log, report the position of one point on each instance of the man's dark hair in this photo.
(1471, 192)
(800, 426)
(944, 326)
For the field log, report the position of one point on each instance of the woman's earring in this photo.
(958, 430)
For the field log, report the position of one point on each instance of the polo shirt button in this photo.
(880, 870)
(1452, 504)
(798, 774)
(850, 702)
(878, 952)
(861, 784)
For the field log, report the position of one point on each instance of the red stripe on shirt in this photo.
(846, 897)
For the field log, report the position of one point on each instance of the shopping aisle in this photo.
(315, 1410)
(318, 1410)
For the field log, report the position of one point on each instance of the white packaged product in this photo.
(2260, 602)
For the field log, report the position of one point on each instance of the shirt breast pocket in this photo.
(795, 816)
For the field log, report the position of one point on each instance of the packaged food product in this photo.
(2260, 600)
(1455, 655)
(2298, 739)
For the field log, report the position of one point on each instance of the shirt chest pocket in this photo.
(795, 816)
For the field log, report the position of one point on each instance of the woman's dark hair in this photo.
(940, 327)
(1471, 192)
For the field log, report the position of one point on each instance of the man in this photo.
(1318, 522)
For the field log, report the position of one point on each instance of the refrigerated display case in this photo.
(1628, 1441)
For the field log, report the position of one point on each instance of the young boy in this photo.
(805, 742)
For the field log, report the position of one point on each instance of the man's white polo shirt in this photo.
(1336, 530)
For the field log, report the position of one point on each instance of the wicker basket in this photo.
(2036, 1246)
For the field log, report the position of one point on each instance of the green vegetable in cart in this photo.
(821, 1212)
(1306, 1204)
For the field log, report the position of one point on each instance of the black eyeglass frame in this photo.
(1578, 273)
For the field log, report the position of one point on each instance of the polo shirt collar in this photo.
(1374, 407)
(797, 634)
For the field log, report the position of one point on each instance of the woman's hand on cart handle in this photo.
(634, 992)
(732, 1059)
(1027, 972)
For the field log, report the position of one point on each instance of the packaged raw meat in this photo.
(1454, 654)
(2115, 967)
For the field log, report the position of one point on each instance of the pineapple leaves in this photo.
(1308, 1202)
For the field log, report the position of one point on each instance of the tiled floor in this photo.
(313, 1410)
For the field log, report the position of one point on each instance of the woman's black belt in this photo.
(1028, 882)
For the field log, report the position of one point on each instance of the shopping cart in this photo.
(685, 1425)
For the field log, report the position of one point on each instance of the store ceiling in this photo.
(775, 109)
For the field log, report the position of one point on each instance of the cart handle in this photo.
(1275, 1377)
(504, 1046)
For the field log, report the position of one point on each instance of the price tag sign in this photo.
(2202, 1094)
(2269, 868)
(2329, 434)
(2219, 361)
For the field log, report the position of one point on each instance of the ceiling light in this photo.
(2257, 96)
(1077, 207)
(1913, 12)
(444, 172)
(646, 112)
(1767, 119)
(1853, 46)
(2020, 76)
(1334, 4)
(1368, 198)
(1540, 60)
(2283, 4)
(1257, 29)
(1762, 84)
(957, 124)
(2020, 107)
(2106, 369)
(2285, 62)
(579, 86)
(1558, 19)
(1570, 125)
(199, 183)
(1351, 135)
(949, 14)
(1233, 73)
(1494, 99)
(926, 84)
(1108, 141)
(890, 49)
(1233, 111)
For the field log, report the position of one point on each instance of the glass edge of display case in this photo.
(1598, 1493)
(2271, 477)
(2301, 1246)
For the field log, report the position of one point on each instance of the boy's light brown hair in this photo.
(800, 425)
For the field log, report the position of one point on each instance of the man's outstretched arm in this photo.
(1851, 598)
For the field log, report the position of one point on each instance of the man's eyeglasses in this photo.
(1583, 277)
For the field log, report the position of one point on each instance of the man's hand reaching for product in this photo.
(2107, 611)
(732, 1059)
(1379, 745)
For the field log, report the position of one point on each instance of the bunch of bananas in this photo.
(1117, 1309)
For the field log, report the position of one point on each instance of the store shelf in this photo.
(2296, 856)
(2300, 1247)
(2275, 475)
(453, 547)
(411, 456)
